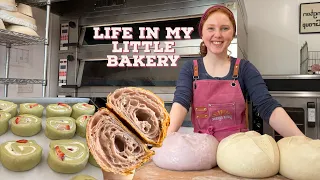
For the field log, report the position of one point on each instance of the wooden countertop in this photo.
(151, 172)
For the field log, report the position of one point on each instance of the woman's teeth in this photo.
(217, 42)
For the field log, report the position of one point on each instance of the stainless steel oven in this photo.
(300, 98)
(83, 60)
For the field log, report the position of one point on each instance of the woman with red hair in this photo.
(215, 86)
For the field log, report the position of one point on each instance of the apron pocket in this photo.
(222, 115)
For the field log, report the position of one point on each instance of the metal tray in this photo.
(42, 171)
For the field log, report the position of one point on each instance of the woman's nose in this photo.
(217, 34)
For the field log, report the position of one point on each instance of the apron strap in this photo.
(236, 69)
(195, 70)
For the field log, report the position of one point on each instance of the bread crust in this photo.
(164, 124)
(125, 172)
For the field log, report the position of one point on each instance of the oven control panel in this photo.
(63, 66)
(64, 36)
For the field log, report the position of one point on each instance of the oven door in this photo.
(302, 110)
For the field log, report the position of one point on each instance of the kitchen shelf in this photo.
(37, 2)
(21, 81)
(18, 39)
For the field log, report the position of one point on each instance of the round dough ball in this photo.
(83, 177)
(249, 155)
(187, 152)
(21, 155)
(299, 157)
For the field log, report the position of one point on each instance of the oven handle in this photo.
(311, 106)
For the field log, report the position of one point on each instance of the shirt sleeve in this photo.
(183, 92)
(258, 92)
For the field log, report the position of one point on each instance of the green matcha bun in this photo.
(68, 156)
(83, 177)
(9, 107)
(31, 108)
(82, 109)
(26, 125)
(92, 161)
(21, 155)
(60, 128)
(58, 110)
(82, 125)
(4, 122)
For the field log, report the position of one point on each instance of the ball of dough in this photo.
(249, 154)
(299, 157)
(187, 152)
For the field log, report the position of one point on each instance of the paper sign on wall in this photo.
(309, 18)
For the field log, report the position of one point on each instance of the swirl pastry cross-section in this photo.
(114, 147)
(143, 111)
(21, 155)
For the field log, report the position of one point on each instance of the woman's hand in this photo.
(177, 116)
(281, 122)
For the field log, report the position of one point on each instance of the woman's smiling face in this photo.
(217, 33)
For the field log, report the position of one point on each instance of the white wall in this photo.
(31, 66)
(274, 41)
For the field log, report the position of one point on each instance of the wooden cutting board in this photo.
(151, 172)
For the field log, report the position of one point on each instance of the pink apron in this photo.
(218, 106)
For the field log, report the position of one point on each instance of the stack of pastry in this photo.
(17, 17)
(117, 136)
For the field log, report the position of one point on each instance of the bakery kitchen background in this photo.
(48, 50)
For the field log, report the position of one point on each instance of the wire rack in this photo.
(37, 2)
(308, 59)
(21, 81)
(18, 39)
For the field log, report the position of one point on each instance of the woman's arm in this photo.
(269, 109)
(182, 97)
(177, 116)
(281, 122)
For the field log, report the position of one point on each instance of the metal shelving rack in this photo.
(9, 39)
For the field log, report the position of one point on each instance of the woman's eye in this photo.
(225, 29)
(210, 28)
